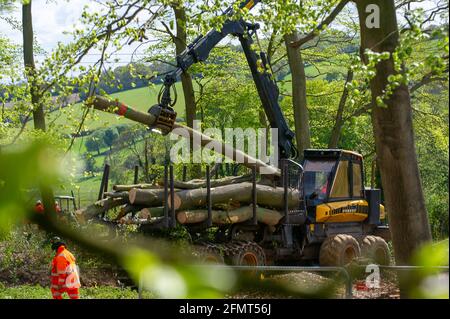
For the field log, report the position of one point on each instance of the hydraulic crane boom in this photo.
(199, 50)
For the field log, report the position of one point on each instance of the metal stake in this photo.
(172, 199)
(254, 196)
(166, 197)
(208, 196)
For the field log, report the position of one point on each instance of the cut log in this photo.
(126, 188)
(116, 194)
(124, 221)
(199, 183)
(147, 197)
(111, 106)
(145, 213)
(266, 196)
(100, 207)
(127, 209)
(220, 217)
(156, 211)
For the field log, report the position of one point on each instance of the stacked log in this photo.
(231, 197)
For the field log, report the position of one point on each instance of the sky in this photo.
(52, 17)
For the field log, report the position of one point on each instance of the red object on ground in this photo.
(39, 208)
(57, 208)
(361, 286)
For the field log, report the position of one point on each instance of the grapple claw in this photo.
(165, 118)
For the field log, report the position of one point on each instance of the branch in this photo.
(427, 79)
(327, 21)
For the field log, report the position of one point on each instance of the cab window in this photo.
(340, 187)
(357, 180)
(316, 178)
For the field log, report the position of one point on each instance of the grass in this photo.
(99, 292)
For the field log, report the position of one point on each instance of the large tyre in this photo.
(250, 254)
(376, 250)
(339, 250)
(209, 255)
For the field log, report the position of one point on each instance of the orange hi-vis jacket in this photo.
(64, 271)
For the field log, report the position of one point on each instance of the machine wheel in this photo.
(210, 255)
(376, 250)
(339, 250)
(249, 254)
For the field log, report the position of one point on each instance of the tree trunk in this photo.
(180, 45)
(339, 122)
(237, 193)
(394, 138)
(30, 67)
(301, 114)
(240, 193)
(186, 80)
(147, 197)
(220, 217)
(126, 188)
(99, 207)
(201, 183)
(126, 209)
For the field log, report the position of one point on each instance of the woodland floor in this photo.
(100, 279)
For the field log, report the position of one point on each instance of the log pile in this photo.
(231, 199)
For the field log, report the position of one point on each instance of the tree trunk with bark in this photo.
(394, 137)
(99, 207)
(221, 217)
(30, 67)
(186, 81)
(339, 122)
(267, 196)
(201, 183)
(301, 114)
(240, 193)
(180, 45)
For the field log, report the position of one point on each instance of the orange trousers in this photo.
(58, 294)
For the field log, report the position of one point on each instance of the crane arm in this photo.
(199, 51)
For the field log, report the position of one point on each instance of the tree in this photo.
(392, 125)
(180, 41)
(30, 67)
(301, 114)
(94, 142)
(109, 137)
(89, 163)
(339, 121)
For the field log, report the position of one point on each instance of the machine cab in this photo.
(332, 176)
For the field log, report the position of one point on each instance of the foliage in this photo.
(429, 281)
(110, 137)
(95, 142)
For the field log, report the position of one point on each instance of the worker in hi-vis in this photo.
(65, 276)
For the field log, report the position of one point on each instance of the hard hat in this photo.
(56, 242)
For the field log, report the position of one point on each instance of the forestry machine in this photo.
(337, 220)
